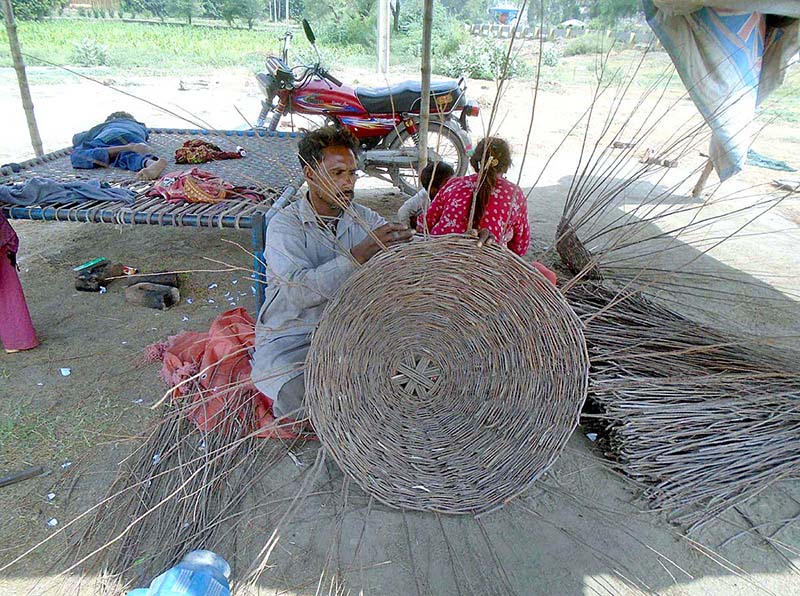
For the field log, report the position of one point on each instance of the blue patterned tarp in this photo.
(729, 61)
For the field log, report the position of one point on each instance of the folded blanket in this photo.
(44, 191)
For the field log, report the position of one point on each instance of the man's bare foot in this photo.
(153, 170)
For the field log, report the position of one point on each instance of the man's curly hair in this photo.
(119, 116)
(311, 145)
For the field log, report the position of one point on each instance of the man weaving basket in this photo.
(312, 247)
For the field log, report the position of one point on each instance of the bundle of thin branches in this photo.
(628, 219)
(703, 421)
(181, 489)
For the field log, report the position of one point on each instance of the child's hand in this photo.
(485, 237)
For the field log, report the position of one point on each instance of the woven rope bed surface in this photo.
(446, 378)
(271, 165)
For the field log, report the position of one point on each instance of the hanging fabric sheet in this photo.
(730, 59)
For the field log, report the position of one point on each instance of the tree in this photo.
(555, 11)
(230, 10)
(474, 11)
(610, 11)
(395, 6)
(29, 10)
(157, 8)
(250, 11)
(184, 8)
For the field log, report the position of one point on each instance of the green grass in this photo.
(34, 433)
(784, 103)
(147, 48)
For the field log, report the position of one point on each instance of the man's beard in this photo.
(342, 200)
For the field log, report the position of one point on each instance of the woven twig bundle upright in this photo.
(444, 377)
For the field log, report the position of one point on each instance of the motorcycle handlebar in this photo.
(331, 78)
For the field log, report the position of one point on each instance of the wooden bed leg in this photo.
(259, 231)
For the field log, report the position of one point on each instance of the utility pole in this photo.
(425, 108)
(22, 78)
(384, 28)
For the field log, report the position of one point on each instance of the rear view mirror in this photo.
(309, 33)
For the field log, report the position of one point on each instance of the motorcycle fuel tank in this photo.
(342, 104)
(323, 98)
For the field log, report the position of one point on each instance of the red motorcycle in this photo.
(384, 119)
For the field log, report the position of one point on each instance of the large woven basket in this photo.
(444, 377)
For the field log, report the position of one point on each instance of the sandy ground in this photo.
(582, 530)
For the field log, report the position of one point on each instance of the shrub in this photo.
(483, 59)
(449, 38)
(134, 7)
(81, 11)
(229, 10)
(590, 43)
(157, 8)
(551, 56)
(250, 10)
(90, 53)
(350, 29)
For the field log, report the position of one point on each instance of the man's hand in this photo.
(385, 236)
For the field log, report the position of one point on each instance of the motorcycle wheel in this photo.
(447, 145)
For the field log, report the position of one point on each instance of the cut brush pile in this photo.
(703, 422)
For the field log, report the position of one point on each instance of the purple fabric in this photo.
(16, 327)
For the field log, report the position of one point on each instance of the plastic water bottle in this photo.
(200, 573)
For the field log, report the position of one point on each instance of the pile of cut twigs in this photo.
(180, 490)
(704, 422)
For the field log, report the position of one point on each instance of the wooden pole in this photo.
(22, 78)
(701, 182)
(425, 108)
(384, 28)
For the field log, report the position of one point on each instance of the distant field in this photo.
(155, 49)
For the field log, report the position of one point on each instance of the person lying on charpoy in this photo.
(119, 142)
(501, 209)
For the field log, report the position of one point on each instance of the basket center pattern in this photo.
(417, 375)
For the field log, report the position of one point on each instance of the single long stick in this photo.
(21, 475)
(19, 66)
(425, 108)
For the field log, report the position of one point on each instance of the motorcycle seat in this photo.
(405, 97)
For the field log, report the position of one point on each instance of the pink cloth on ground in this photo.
(209, 373)
(16, 327)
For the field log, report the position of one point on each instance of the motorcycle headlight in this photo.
(266, 82)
